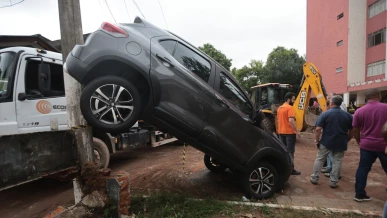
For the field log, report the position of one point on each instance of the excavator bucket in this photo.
(311, 119)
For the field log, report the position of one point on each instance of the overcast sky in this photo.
(243, 30)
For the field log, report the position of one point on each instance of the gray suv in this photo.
(139, 71)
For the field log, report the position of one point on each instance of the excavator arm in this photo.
(311, 81)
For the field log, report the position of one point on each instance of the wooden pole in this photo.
(72, 34)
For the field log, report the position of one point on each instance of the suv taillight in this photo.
(113, 29)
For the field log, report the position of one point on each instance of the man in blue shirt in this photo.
(337, 126)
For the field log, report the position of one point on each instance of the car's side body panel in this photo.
(191, 95)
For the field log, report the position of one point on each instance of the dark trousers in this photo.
(367, 159)
(290, 141)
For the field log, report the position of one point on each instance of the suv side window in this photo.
(234, 95)
(168, 45)
(193, 62)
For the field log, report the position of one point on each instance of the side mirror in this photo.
(44, 77)
(22, 96)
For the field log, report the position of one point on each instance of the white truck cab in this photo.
(31, 102)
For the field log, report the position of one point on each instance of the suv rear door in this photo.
(180, 79)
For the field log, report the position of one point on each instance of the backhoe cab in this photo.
(267, 98)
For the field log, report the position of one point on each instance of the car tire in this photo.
(121, 112)
(253, 189)
(267, 124)
(213, 165)
(101, 152)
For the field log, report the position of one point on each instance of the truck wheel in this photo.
(261, 182)
(101, 152)
(268, 124)
(213, 165)
(111, 104)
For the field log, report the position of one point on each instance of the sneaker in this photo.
(329, 175)
(333, 185)
(325, 170)
(360, 199)
(295, 172)
(314, 181)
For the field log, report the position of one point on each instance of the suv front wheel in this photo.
(111, 104)
(261, 182)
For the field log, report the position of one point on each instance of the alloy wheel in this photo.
(111, 104)
(261, 181)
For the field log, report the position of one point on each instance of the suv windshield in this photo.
(6, 60)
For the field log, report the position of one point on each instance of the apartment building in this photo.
(346, 40)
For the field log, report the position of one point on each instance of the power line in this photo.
(127, 11)
(110, 11)
(162, 11)
(6, 6)
(134, 1)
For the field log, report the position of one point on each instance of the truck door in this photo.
(40, 95)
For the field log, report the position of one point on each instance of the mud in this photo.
(161, 169)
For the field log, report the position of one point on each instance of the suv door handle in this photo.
(222, 102)
(164, 59)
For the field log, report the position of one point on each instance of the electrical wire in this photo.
(127, 11)
(162, 11)
(6, 6)
(110, 11)
(134, 1)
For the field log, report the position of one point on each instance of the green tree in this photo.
(249, 76)
(217, 55)
(284, 66)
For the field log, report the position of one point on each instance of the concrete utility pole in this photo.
(72, 34)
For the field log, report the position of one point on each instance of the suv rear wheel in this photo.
(261, 182)
(111, 104)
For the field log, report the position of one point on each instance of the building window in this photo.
(377, 38)
(339, 43)
(339, 69)
(340, 16)
(376, 8)
(376, 68)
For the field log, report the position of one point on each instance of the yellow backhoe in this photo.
(268, 97)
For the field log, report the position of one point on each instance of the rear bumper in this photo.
(76, 68)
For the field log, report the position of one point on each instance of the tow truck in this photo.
(35, 140)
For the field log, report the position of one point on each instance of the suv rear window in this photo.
(193, 62)
(233, 94)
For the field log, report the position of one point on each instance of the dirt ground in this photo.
(161, 169)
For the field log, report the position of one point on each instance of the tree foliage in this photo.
(249, 76)
(283, 66)
(217, 55)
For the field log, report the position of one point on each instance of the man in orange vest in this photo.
(287, 130)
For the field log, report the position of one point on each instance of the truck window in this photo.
(6, 62)
(32, 81)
